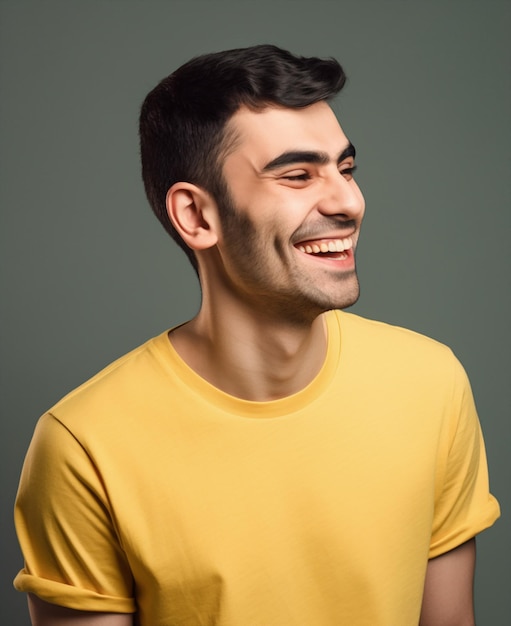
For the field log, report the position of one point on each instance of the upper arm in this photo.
(66, 528)
(45, 614)
(448, 589)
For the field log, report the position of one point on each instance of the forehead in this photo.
(263, 135)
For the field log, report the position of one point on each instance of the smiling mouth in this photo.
(327, 247)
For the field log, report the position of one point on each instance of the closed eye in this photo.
(348, 172)
(304, 176)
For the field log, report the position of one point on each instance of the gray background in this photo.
(88, 273)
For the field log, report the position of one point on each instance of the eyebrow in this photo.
(307, 156)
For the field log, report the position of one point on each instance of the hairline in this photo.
(231, 136)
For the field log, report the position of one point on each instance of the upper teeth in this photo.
(334, 245)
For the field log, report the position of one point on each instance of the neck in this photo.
(253, 355)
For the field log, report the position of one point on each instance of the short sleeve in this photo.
(73, 556)
(464, 505)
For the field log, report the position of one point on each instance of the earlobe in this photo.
(191, 210)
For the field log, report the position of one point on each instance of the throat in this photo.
(257, 366)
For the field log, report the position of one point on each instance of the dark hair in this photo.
(183, 119)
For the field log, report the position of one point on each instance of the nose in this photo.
(341, 196)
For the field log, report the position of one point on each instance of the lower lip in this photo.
(346, 263)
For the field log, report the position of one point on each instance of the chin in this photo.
(348, 297)
(308, 311)
(347, 302)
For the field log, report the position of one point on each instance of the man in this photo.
(273, 461)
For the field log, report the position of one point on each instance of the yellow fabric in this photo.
(148, 489)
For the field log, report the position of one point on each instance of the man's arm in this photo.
(449, 589)
(45, 614)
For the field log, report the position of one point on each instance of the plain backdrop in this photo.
(88, 273)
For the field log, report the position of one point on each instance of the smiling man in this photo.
(275, 460)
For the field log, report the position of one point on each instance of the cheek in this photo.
(278, 246)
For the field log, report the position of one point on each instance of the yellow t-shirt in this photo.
(149, 490)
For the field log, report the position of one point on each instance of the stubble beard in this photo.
(302, 301)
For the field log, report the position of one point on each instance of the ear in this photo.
(193, 213)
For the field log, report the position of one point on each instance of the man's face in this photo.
(292, 218)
